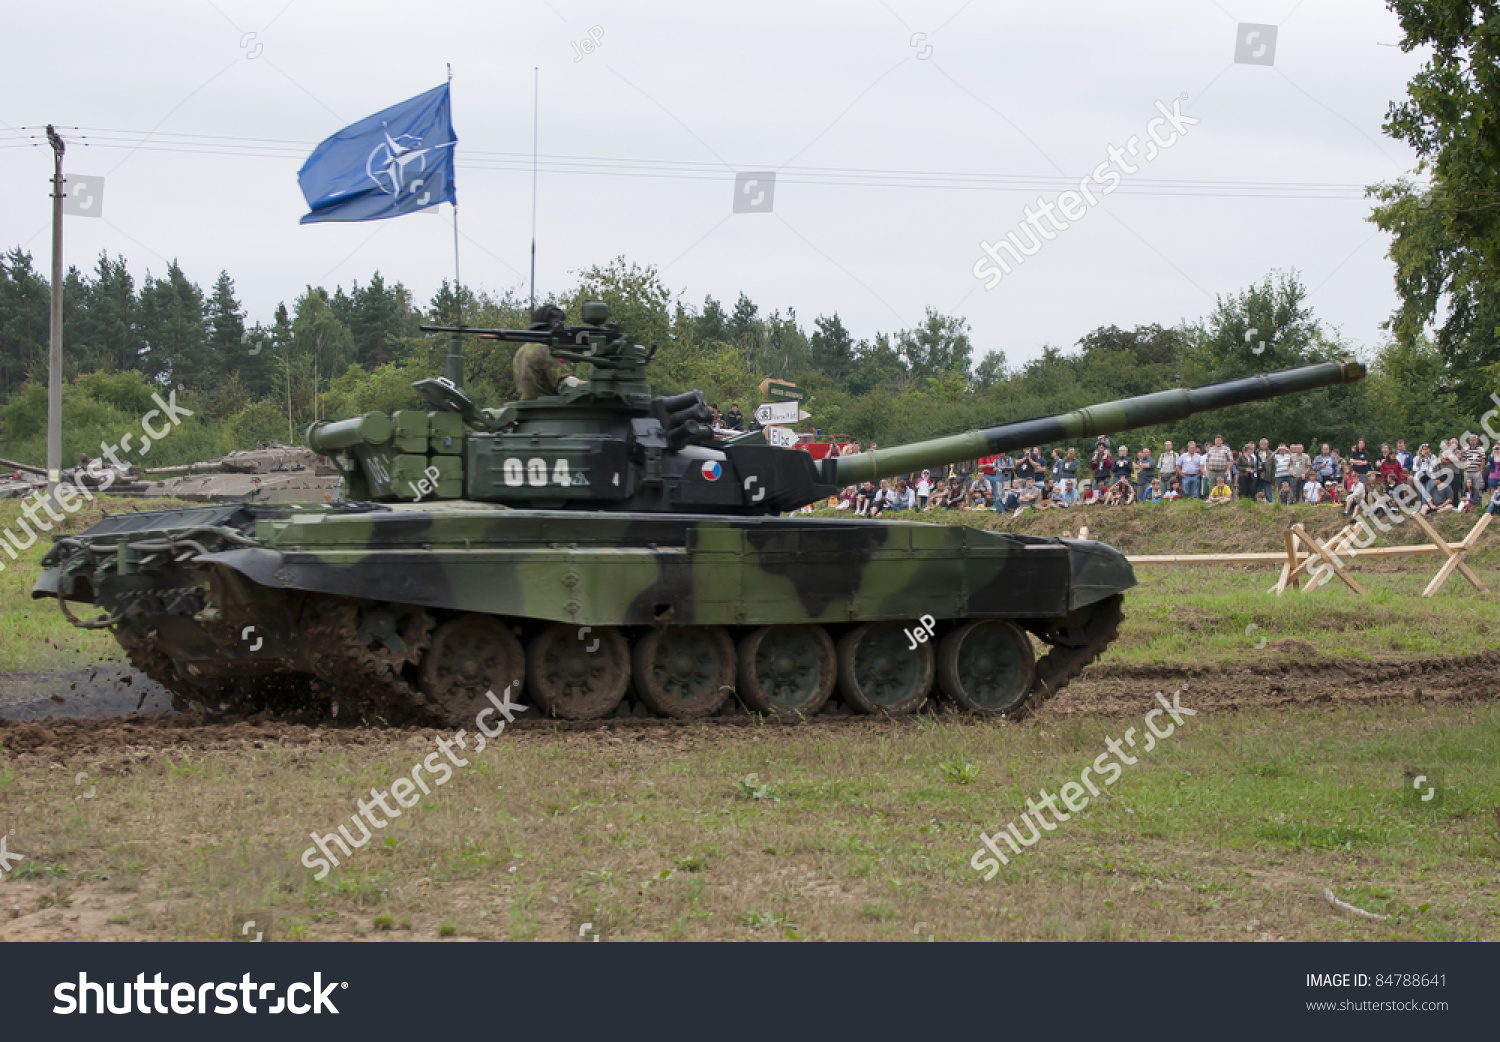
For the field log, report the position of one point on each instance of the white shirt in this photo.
(1312, 492)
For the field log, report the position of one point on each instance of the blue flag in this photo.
(394, 162)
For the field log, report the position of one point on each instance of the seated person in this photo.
(1173, 492)
(1152, 493)
(1090, 497)
(1028, 497)
(1312, 490)
(1048, 497)
(1121, 493)
(1220, 493)
(864, 498)
(1356, 497)
(903, 497)
(955, 493)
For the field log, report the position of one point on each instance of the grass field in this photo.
(1228, 830)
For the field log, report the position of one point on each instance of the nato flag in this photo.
(394, 162)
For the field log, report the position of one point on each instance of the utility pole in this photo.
(54, 337)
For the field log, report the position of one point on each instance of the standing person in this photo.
(1005, 468)
(1102, 463)
(924, 489)
(1390, 469)
(1492, 476)
(1404, 456)
(1474, 458)
(1145, 470)
(1166, 465)
(1026, 468)
(1190, 466)
(1123, 468)
(1449, 475)
(1264, 474)
(1248, 464)
(990, 471)
(1340, 468)
(1298, 466)
(1359, 459)
(1422, 469)
(1216, 462)
(1323, 464)
(1069, 484)
(1281, 470)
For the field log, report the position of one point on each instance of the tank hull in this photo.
(240, 596)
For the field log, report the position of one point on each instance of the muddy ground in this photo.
(115, 714)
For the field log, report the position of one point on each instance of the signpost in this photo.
(781, 437)
(782, 391)
(778, 412)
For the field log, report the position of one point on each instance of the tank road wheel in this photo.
(879, 670)
(577, 672)
(470, 657)
(987, 666)
(787, 669)
(684, 671)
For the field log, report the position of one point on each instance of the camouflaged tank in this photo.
(599, 553)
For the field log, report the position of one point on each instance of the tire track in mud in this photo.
(1107, 690)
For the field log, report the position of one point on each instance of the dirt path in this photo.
(106, 728)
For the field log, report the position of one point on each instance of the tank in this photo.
(598, 553)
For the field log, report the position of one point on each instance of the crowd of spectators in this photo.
(1450, 477)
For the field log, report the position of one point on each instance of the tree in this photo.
(1434, 274)
(107, 328)
(713, 323)
(23, 318)
(638, 302)
(175, 331)
(938, 346)
(832, 346)
(1451, 115)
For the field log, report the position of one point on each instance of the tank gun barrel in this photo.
(1108, 418)
(517, 336)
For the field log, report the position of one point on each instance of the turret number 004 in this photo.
(534, 472)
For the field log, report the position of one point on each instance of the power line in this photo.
(619, 166)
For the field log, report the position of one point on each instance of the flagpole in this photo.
(455, 367)
(536, 79)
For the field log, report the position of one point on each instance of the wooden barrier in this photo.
(1303, 551)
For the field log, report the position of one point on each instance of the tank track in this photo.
(354, 683)
(363, 685)
(1061, 666)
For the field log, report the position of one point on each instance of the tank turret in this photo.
(609, 444)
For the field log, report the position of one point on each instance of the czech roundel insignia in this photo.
(711, 471)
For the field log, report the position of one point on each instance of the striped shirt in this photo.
(1473, 460)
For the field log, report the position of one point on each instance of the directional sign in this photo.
(782, 391)
(781, 437)
(777, 412)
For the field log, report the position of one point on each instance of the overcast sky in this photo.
(903, 134)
